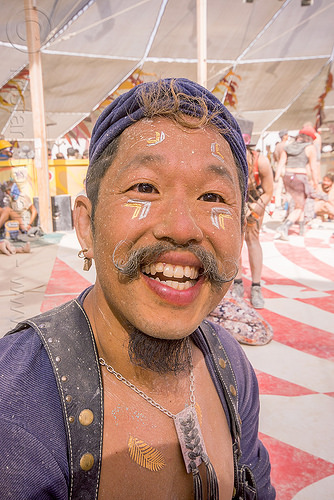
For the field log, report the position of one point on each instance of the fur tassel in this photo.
(198, 491)
(212, 482)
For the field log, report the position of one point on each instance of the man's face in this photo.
(167, 184)
(326, 184)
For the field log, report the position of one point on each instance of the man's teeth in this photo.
(171, 271)
(177, 285)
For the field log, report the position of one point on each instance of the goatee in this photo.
(159, 355)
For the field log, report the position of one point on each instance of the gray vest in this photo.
(296, 154)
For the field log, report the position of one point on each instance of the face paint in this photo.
(159, 137)
(141, 208)
(218, 216)
(215, 152)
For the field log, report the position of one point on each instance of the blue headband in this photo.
(126, 109)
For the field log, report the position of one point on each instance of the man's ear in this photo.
(82, 223)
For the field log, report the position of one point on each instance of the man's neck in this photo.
(112, 341)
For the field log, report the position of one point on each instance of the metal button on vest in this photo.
(222, 362)
(86, 417)
(233, 390)
(86, 461)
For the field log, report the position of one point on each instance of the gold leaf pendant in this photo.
(145, 455)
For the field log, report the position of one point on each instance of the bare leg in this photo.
(4, 215)
(255, 254)
(296, 215)
(255, 260)
(15, 216)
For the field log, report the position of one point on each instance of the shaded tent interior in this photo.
(269, 58)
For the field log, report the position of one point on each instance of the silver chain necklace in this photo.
(147, 398)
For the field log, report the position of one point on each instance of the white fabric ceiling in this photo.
(280, 51)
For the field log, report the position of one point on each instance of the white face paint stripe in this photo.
(216, 153)
(218, 216)
(159, 137)
(141, 208)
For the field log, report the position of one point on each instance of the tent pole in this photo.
(201, 12)
(38, 114)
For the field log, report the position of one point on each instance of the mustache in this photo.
(136, 258)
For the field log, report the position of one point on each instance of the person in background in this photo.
(6, 150)
(325, 208)
(299, 163)
(71, 155)
(5, 209)
(22, 208)
(284, 136)
(260, 191)
(163, 220)
(318, 146)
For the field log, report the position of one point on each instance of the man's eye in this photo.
(143, 187)
(212, 198)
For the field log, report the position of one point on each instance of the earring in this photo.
(87, 261)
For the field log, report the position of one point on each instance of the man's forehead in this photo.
(153, 131)
(152, 142)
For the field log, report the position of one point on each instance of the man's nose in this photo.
(179, 224)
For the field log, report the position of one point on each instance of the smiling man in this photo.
(140, 397)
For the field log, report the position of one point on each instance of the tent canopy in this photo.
(272, 57)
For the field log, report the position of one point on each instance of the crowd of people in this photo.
(71, 154)
(18, 214)
(8, 152)
(289, 178)
(298, 181)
